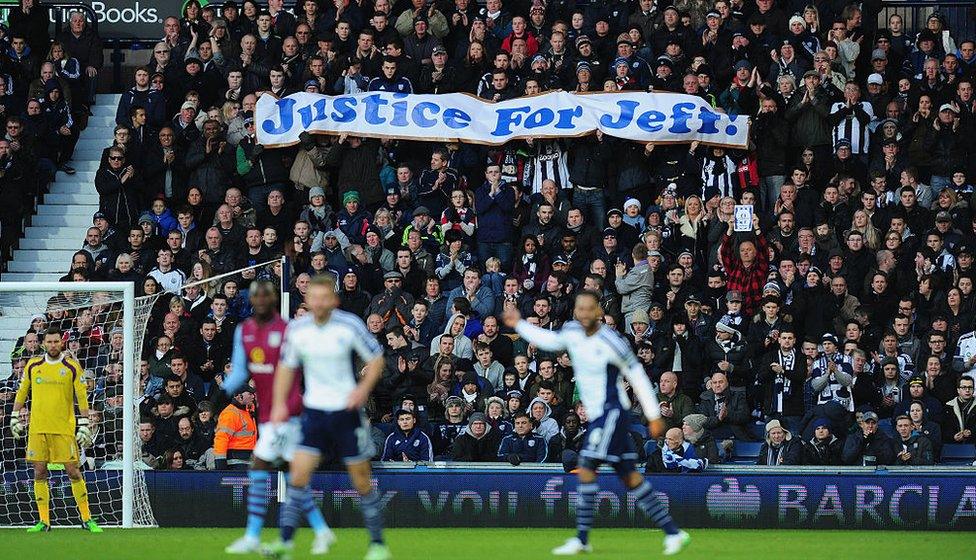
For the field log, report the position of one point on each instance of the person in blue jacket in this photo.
(522, 445)
(407, 442)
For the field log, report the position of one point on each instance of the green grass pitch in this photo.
(506, 544)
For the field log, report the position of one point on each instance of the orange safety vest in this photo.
(236, 431)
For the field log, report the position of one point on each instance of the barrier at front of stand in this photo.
(499, 498)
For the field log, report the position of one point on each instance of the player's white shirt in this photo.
(325, 353)
(601, 364)
(966, 349)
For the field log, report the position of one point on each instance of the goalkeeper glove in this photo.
(83, 433)
(16, 426)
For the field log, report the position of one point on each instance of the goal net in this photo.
(112, 333)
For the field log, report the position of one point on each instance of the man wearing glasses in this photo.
(960, 414)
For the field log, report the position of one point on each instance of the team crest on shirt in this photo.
(38, 380)
(257, 355)
(64, 372)
(531, 443)
(416, 443)
(274, 339)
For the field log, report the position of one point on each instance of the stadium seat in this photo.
(745, 452)
(641, 430)
(758, 430)
(958, 454)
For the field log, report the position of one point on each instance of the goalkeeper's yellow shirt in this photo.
(53, 387)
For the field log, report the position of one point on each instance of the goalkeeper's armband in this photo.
(16, 426)
(83, 432)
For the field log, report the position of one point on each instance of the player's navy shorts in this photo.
(345, 433)
(609, 441)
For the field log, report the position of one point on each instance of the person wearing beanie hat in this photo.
(823, 448)
(779, 448)
(407, 442)
(694, 431)
(352, 219)
(478, 442)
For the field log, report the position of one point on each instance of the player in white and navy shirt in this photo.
(324, 345)
(602, 362)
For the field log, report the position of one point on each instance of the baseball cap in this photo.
(869, 417)
(943, 216)
(829, 337)
(948, 107)
(560, 259)
(99, 216)
(875, 79)
(609, 232)
(421, 211)
(734, 295)
(187, 105)
(879, 54)
(439, 50)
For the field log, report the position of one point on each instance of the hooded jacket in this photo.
(790, 452)
(462, 344)
(467, 447)
(547, 427)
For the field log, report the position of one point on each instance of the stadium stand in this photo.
(848, 305)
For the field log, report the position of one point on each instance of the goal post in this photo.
(86, 312)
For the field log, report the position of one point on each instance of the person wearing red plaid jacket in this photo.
(747, 270)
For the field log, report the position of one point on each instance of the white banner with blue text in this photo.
(458, 117)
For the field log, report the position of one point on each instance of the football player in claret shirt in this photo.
(257, 347)
(54, 382)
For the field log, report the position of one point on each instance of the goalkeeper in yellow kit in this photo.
(53, 382)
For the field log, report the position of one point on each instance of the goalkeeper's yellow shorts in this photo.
(52, 448)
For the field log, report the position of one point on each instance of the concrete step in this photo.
(75, 209)
(56, 244)
(82, 165)
(40, 266)
(88, 153)
(72, 188)
(103, 120)
(80, 176)
(62, 256)
(37, 231)
(31, 276)
(67, 221)
(70, 199)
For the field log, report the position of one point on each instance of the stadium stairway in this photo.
(58, 228)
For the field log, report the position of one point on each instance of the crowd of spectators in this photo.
(838, 331)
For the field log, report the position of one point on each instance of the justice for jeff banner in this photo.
(458, 117)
